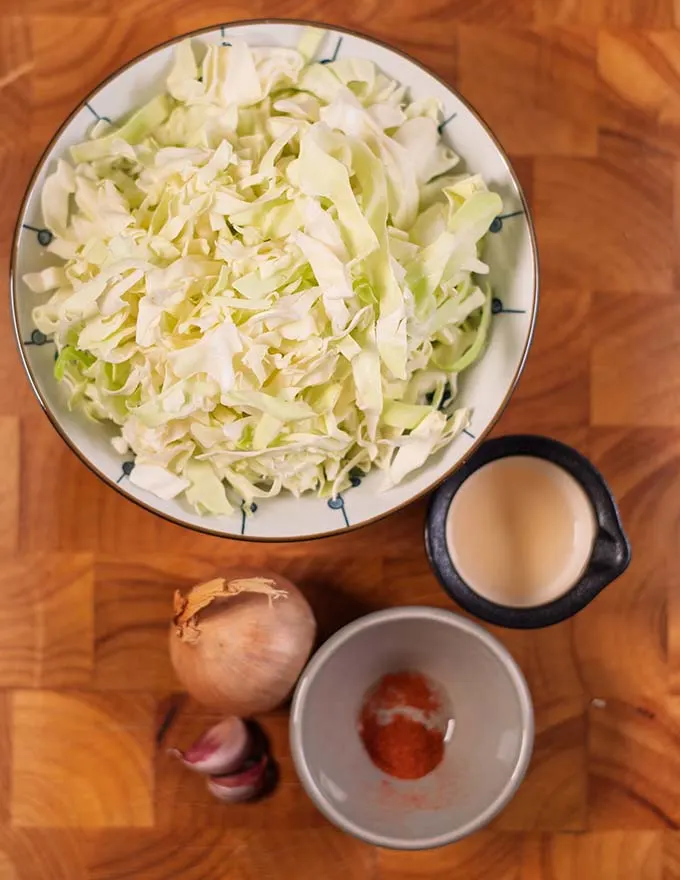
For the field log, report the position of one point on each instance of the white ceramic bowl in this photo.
(486, 388)
(484, 761)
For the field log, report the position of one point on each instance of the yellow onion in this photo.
(238, 644)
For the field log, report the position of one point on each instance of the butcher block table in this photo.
(585, 97)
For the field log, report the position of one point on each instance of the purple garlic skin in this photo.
(221, 750)
(246, 784)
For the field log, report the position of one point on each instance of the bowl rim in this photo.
(337, 641)
(91, 465)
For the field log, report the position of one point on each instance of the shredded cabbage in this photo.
(269, 277)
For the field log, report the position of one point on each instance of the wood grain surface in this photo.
(585, 95)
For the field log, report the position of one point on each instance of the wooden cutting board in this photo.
(585, 95)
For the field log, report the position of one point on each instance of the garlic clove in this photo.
(222, 749)
(245, 785)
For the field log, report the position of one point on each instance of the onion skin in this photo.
(241, 653)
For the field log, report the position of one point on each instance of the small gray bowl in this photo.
(485, 758)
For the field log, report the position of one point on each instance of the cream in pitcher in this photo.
(520, 531)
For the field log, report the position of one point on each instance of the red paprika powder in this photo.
(401, 725)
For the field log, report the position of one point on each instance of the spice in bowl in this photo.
(404, 724)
